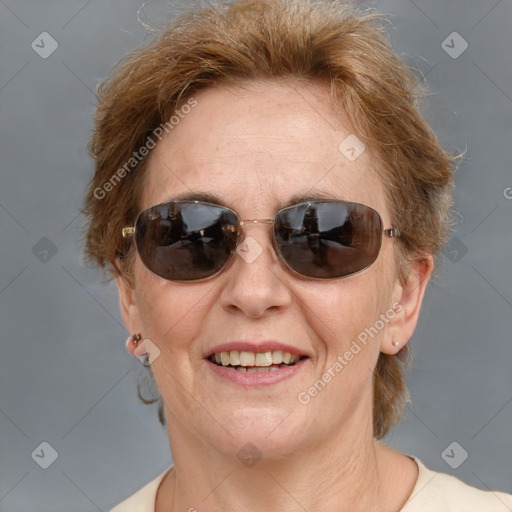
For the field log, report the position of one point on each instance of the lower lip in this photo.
(255, 379)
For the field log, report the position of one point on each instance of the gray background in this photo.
(65, 377)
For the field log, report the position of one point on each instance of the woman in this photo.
(270, 203)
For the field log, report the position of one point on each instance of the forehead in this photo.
(257, 146)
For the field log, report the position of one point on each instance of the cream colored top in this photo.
(433, 492)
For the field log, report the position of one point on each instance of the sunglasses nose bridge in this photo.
(248, 222)
(256, 221)
(237, 228)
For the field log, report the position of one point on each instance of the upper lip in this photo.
(247, 346)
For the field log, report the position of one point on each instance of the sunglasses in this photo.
(319, 239)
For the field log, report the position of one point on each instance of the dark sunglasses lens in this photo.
(326, 240)
(185, 241)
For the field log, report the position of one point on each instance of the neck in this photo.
(351, 473)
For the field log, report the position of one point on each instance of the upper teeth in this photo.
(243, 358)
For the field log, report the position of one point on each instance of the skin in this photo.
(255, 147)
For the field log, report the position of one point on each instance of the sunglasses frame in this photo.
(129, 231)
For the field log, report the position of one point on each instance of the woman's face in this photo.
(256, 148)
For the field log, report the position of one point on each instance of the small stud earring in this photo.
(395, 343)
(135, 339)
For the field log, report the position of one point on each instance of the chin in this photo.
(271, 433)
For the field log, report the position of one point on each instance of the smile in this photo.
(250, 362)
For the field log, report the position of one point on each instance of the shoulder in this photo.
(439, 492)
(144, 499)
(433, 492)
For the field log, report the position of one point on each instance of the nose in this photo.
(254, 282)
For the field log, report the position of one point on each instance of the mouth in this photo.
(255, 362)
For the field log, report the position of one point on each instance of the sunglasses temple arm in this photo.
(392, 232)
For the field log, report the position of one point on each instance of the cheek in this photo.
(345, 320)
(171, 313)
(343, 311)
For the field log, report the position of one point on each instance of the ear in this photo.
(407, 300)
(129, 308)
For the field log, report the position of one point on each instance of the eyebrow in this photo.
(308, 196)
(207, 197)
(211, 197)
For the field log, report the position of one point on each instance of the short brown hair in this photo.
(318, 41)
